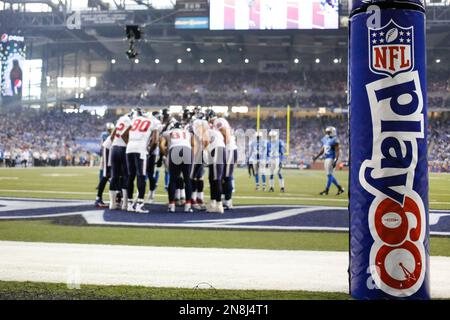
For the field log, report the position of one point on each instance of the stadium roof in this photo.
(50, 30)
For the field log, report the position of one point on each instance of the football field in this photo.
(55, 205)
(302, 186)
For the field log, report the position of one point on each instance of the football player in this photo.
(152, 173)
(258, 156)
(166, 121)
(105, 172)
(330, 150)
(176, 144)
(199, 128)
(119, 169)
(222, 125)
(216, 162)
(275, 153)
(143, 137)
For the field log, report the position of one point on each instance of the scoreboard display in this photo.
(192, 14)
(273, 14)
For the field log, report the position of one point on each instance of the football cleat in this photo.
(171, 207)
(140, 207)
(200, 205)
(271, 189)
(212, 206)
(130, 207)
(324, 192)
(100, 204)
(219, 208)
(188, 208)
(228, 205)
(340, 190)
(283, 190)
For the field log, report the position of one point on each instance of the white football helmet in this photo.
(331, 131)
(273, 134)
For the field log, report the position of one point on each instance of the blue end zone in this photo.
(269, 217)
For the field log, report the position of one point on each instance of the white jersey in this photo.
(140, 133)
(220, 123)
(107, 144)
(122, 125)
(199, 127)
(232, 145)
(178, 138)
(215, 139)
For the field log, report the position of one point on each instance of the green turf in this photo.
(302, 186)
(50, 291)
(46, 231)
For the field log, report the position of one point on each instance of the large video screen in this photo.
(273, 14)
(12, 54)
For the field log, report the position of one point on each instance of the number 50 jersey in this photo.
(140, 133)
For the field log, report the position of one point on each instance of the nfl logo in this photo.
(391, 49)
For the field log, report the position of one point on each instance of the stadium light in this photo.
(188, 49)
(136, 61)
(317, 60)
(157, 61)
(246, 60)
(175, 109)
(179, 61)
(239, 109)
(219, 60)
(336, 60)
(438, 60)
(220, 109)
(202, 61)
(113, 61)
(296, 60)
(92, 82)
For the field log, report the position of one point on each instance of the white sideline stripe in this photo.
(13, 205)
(187, 267)
(46, 191)
(234, 197)
(265, 217)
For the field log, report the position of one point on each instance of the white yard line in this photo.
(322, 199)
(187, 267)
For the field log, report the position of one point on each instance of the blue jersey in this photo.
(276, 150)
(104, 136)
(258, 150)
(329, 147)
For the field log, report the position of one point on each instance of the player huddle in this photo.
(139, 142)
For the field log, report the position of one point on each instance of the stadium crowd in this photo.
(30, 137)
(307, 89)
(220, 88)
(55, 138)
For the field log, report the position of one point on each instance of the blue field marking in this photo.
(267, 217)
